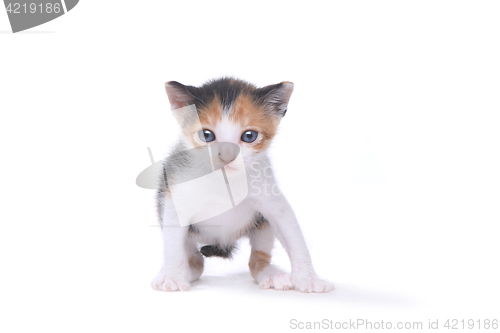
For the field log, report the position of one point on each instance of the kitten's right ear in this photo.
(179, 95)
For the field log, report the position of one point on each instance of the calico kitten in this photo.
(232, 113)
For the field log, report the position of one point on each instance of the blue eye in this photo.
(206, 135)
(249, 136)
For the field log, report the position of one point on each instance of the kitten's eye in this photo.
(206, 135)
(249, 136)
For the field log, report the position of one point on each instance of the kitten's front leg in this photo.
(282, 219)
(175, 273)
(266, 274)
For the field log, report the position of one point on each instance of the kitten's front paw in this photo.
(167, 282)
(312, 285)
(273, 277)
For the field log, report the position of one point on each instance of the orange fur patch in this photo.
(250, 116)
(212, 114)
(196, 262)
(258, 261)
(209, 116)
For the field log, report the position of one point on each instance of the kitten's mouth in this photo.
(232, 166)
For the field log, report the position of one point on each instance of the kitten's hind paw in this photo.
(165, 282)
(312, 285)
(273, 277)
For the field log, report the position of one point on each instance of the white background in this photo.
(389, 154)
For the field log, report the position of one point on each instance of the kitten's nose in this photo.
(228, 152)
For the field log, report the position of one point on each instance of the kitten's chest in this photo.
(228, 226)
(201, 197)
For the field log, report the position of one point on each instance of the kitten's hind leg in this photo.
(195, 259)
(267, 275)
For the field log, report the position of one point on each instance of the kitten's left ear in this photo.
(275, 97)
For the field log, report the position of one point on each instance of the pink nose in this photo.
(228, 152)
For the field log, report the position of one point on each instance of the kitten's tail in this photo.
(218, 251)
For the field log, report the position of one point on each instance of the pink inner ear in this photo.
(177, 95)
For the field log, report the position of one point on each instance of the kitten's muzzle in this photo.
(228, 152)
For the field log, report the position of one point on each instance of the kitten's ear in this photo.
(276, 96)
(180, 95)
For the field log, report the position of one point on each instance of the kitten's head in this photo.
(230, 110)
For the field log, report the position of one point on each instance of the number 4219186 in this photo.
(25, 8)
(455, 324)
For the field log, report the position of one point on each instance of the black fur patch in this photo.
(217, 251)
(226, 89)
(193, 230)
(259, 221)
